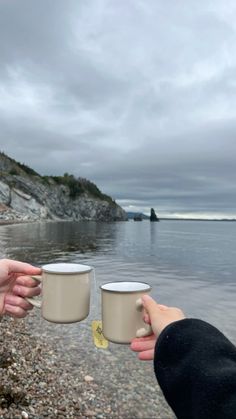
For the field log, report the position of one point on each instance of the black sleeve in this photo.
(195, 365)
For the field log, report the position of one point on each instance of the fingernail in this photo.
(146, 297)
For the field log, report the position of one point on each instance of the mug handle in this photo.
(144, 331)
(31, 300)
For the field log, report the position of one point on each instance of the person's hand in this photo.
(15, 285)
(145, 346)
(159, 316)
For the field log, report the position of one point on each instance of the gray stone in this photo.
(28, 197)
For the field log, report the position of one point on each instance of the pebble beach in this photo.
(45, 375)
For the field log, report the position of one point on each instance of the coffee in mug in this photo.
(65, 292)
(122, 317)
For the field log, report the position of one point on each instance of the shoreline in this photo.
(46, 376)
(17, 222)
(9, 222)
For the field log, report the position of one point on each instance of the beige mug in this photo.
(122, 317)
(66, 291)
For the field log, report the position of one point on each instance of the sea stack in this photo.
(153, 216)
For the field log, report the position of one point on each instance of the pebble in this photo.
(88, 378)
(32, 387)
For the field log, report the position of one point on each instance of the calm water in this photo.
(189, 264)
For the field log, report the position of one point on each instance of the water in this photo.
(189, 264)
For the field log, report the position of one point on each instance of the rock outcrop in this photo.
(153, 216)
(27, 196)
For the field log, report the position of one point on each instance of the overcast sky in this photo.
(138, 96)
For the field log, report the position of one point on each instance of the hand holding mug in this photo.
(65, 292)
(122, 311)
(16, 284)
(159, 316)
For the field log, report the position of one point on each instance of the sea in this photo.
(189, 264)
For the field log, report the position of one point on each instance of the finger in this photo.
(142, 346)
(15, 311)
(144, 338)
(25, 291)
(15, 266)
(146, 355)
(150, 305)
(27, 281)
(146, 318)
(15, 300)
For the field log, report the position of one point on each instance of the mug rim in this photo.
(75, 268)
(126, 291)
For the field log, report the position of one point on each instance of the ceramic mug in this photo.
(66, 291)
(122, 317)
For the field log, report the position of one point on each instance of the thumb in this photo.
(156, 314)
(150, 306)
(14, 266)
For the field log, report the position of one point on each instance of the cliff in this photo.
(27, 196)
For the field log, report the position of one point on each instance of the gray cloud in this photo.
(137, 96)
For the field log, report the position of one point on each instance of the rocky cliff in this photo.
(25, 195)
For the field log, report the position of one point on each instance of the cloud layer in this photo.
(137, 96)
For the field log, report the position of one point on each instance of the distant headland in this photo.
(197, 219)
(131, 215)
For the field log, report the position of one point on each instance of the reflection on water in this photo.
(42, 242)
(188, 264)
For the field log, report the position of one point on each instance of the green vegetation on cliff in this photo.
(77, 186)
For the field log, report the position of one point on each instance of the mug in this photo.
(122, 311)
(65, 292)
